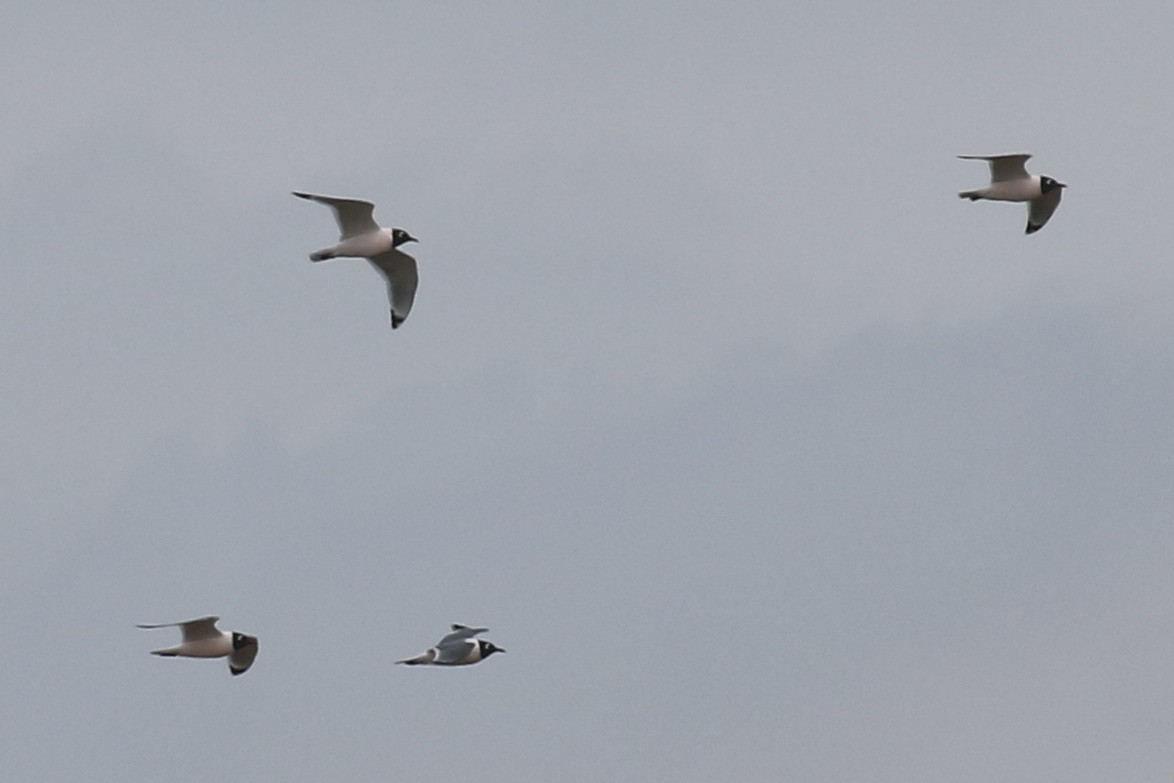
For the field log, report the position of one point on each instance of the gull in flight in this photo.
(458, 648)
(361, 237)
(202, 639)
(1011, 182)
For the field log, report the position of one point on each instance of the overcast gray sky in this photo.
(764, 455)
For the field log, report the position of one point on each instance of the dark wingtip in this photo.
(235, 671)
(299, 194)
(1031, 229)
(395, 320)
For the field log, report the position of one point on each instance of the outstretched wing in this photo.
(240, 660)
(354, 215)
(193, 630)
(402, 278)
(460, 633)
(1040, 209)
(1004, 167)
(452, 651)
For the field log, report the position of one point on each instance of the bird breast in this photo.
(208, 648)
(1027, 189)
(366, 245)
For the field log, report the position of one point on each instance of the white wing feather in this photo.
(354, 216)
(193, 630)
(1041, 209)
(402, 279)
(1004, 167)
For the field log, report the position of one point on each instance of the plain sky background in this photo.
(764, 455)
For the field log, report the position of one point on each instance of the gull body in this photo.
(1011, 182)
(458, 648)
(363, 246)
(361, 237)
(202, 639)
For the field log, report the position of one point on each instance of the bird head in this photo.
(241, 640)
(400, 237)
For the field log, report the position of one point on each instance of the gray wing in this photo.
(240, 660)
(460, 633)
(451, 651)
(200, 628)
(1004, 167)
(354, 215)
(1040, 209)
(402, 278)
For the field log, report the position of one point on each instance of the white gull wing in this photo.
(193, 630)
(240, 660)
(460, 632)
(1040, 209)
(455, 650)
(1004, 167)
(402, 279)
(354, 215)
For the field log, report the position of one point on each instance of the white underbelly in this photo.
(365, 245)
(1014, 190)
(208, 648)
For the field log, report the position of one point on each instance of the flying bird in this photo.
(1011, 182)
(361, 237)
(202, 639)
(458, 648)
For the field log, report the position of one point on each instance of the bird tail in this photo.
(427, 657)
(321, 255)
